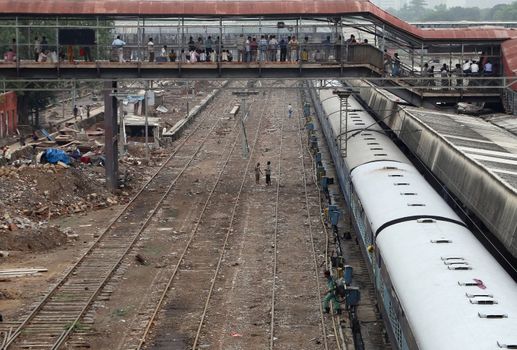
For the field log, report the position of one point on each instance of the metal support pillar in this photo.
(122, 127)
(245, 147)
(343, 96)
(383, 41)
(188, 96)
(97, 41)
(146, 98)
(422, 61)
(244, 114)
(110, 134)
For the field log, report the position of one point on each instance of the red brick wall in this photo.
(8, 114)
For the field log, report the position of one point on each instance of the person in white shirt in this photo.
(118, 44)
(164, 52)
(150, 49)
(466, 67)
(193, 56)
(42, 57)
(202, 56)
(247, 47)
(474, 68)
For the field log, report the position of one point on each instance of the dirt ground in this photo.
(239, 312)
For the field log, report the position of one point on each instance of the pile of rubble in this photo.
(33, 195)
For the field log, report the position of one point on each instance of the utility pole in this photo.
(146, 99)
(187, 99)
(343, 96)
(122, 139)
(244, 115)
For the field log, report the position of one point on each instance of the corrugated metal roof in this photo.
(243, 8)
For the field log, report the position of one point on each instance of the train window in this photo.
(452, 258)
(506, 346)
(372, 144)
(425, 221)
(468, 284)
(443, 240)
(483, 302)
(366, 134)
(376, 149)
(492, 315)
(380, 154)
(370, 138)
(401, 184)
(415, 205)
(459, 268)
(459, 262)
(479, 295)
(361, 124)
(395, 175)
(391, 168)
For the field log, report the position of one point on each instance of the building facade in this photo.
(8, 114)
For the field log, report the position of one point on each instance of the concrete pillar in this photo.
(110, 135)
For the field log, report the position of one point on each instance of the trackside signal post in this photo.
(110, 134)
(244, 115)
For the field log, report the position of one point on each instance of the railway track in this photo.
(201, 257)
(287, 269)
(56, 316)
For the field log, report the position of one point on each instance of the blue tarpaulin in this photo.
(56, 155)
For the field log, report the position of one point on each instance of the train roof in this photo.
(392, 191)
(439, 300)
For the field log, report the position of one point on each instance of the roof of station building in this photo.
(256, 8)
(228, 8)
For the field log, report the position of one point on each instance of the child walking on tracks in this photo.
(268, 173)
(258, 172)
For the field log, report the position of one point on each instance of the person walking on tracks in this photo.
(258, 172)
(268, 173)
(330, 295)
(289, 110)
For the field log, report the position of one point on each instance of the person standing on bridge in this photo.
(387, 63)
(293, 49)
(326, 48)
(396, 65)
(118, 44)
(150, 49)
(241, 48)
(330, 295)
(37, 48)
(262, 46)
(268, 174)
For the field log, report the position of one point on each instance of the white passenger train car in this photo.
(440, 288)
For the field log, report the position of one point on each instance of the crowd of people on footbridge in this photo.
(262, 48)
(462, 74)
(256, 48)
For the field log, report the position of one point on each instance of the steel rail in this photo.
(327, 266)
(311, 236)
(275, 239)
(187, 246)
(228, 231)
(324, 227)
(62, 281)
